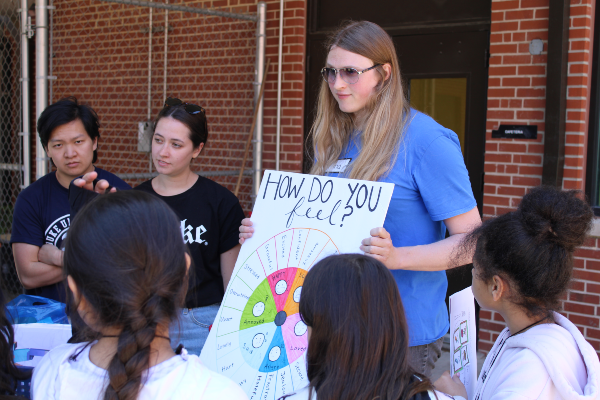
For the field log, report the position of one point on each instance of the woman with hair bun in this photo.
(523, 264)
(128, 280)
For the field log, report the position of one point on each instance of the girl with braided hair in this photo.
(127, 267)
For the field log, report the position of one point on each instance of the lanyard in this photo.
(485, 373)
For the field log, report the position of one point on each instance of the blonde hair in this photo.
(387, 109)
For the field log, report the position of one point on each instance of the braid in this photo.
(133, 351)
(137, 285)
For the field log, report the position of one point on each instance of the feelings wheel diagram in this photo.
(261, 339)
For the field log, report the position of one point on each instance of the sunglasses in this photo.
(348, 75)
(188, 107)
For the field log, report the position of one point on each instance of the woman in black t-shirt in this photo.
(209, 213)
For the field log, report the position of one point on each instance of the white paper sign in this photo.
(258, 338)
(463, 350)
(41, 336)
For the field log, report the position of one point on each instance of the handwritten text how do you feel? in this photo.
(320, 203)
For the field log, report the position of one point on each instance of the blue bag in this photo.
(28, 309)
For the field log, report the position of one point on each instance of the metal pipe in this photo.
(150, 67)
(50, 58)
(166, 49)
(150, 175)
(150, 81)
(261, 29)
(41, 72)
(25, 125)
(279, 72)
(174, 7)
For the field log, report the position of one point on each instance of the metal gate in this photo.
(10, 141)
(123, 58)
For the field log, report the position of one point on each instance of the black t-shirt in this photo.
(42, 216)
(210, 218)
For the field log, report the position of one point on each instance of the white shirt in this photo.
(180, 377)
(548, 361)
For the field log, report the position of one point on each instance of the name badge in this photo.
(339, 166)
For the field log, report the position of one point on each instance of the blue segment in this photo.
(276, 357)
(254, 343)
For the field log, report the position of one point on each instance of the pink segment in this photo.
(294, 345)
(286, 275)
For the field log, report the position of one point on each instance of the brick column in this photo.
(516, 95)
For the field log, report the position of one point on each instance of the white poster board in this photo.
(258, 338)
(463, 350)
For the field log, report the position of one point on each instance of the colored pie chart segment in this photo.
(276, 357)
(260, 308)
(292, 303)
(294, 332)
(281, 282)
(255, 343)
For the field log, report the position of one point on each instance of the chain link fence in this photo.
(123, 60)
(10, 140)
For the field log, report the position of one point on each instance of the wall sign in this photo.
(516, 132)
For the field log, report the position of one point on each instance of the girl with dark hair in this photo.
(523, 264)
(364, 128)
(209, 215)
(357, 334)
(128, 270)
(9, 374)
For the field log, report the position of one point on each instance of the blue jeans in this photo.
(192, 328)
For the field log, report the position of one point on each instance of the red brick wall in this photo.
(516, 95)
(101, 56)
(292, 107)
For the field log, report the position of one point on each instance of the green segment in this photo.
(262, 294)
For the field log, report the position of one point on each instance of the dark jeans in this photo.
(422, 358)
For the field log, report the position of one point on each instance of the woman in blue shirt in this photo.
(365, 129)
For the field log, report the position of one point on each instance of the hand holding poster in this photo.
(463, 351)
(258, 338)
